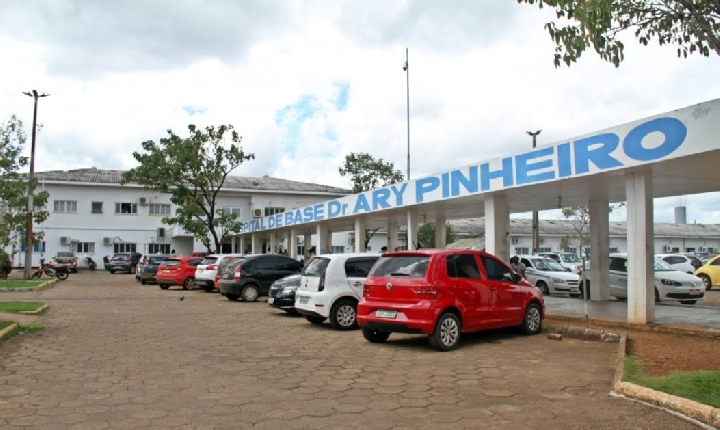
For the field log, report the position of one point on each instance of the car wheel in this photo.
(189, 284)
(706, 281)
(112, 272)
(582, 290)
(143, 282)
(447, 333)
(532, 323)
(544, 288)
(314, 319)
(657, 296)
(250, 293)
(232, 297)
(343, 315)
(208, 288)
(688, 302)
(374, 336)
(164, 287)
(132, 270)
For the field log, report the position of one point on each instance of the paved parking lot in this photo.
(115, 354)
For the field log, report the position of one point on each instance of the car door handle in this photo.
(357, 284)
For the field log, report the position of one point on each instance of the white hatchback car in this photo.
(331, 287)
(670, 284)
(207, 269)
(549, 276)
(568, 260)
(679, 262)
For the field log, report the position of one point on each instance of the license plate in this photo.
(166, 271)
(271, 300)
(695, 292)
(384, 313)
(303, 300)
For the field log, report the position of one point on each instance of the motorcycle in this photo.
(91, 263)
(52, 270)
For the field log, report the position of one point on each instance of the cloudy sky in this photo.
(308, 82)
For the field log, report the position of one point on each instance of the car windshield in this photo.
(569, 258)
(316, 267)
(208, 260)
(405, 265)
(171, 263)
(661, 266)
(65, 254)
(547, 264)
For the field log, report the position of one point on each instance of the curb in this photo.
(40, 287)
(7, 330)
(36, 311)
(671, 329)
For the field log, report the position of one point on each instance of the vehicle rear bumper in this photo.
(409, 319)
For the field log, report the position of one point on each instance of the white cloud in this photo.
(481, 75)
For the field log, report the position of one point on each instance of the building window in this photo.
(37, 246)
(96, 207)
(124, 247)
(159, 248)
(613, 249)
(546, 249)
(65, 205)
(522, 250)
(571, 250)
(273, 211)
(159, 209)
(85, 247)
(126, 208)
(235, 211)
(337, 249)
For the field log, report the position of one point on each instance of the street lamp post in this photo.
(406, 68)
(29, 237)
(535, 218)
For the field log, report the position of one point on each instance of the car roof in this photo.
(347, 255)
(434, 251)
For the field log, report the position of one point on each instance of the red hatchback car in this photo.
(444, 292)
(178, 271)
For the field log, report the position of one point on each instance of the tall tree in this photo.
(579, 217)
(367, 173)
(193, 170)
(691, 25)
(426, 235)
(14, 188)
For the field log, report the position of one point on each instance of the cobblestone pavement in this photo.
(118, 355)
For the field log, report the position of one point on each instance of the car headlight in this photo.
(558, 280)
(288, 290)
(670, 282)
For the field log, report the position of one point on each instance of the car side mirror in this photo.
(567, 269)
(516, 278)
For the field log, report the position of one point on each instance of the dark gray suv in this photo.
(124, 262)
(252, 277)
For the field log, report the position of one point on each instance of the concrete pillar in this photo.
(324, 238)
(273, 243)
(640, 238)
(241, 248)
(256, 246)
(360, 226)
(497, 218)
(307, 241)
(599, 248)
(411, 230)
(392, 235)
(293, 244)
(440, 232)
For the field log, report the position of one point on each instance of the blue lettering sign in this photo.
(446, 185)
(380, 199)
(564, 159)
(298, 216)
(596, 149)
(319, 212)
(673, 129)
(470, 184)
(334, 209)
(425, 185)
(506, 173)
(278, 219)
(399, 193)
(271, 222)
(288, 218)
(361, 204)
(523, 166)
(308, 214)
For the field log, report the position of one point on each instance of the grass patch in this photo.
(20, 306)
(22, 283)
(20, 329)
(701, 386)
(4, 324)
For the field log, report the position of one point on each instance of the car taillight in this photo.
(426, 290)
(366, 289)
(238, 274)
(211, 267)
(321, 284)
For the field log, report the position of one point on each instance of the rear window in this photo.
(412, 266)
(359, 267)
(194, 263)
(232, 264)
(316, 267)
(171, 263)
(156, 260)
(209, 260)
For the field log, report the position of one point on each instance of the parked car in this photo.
(252, 277)
(443, 293)
(710, 272)
(704, 259)
(226, 265)
(670, 284)
(282, 293)
(199, 254)
(124, 262)
(207, 270)
(149, 270)
(550, 276)
(68, 259)
(569, 260)
(332, 286)
(679, 262)
(178, 271)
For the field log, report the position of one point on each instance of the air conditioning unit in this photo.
(515, 240)
(667, 248)
(143, 200)
(257, 213)
(107, 241)
(351, 240)
(161, 232)
(64, 240)
(702, 249)
(542, 240)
